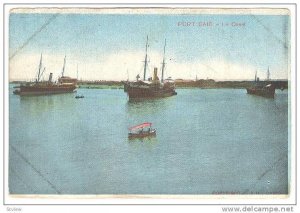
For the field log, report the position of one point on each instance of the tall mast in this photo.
(163, 63)
(40, 67)
(268, 74)
(63, 70)
(77, 71)
(146, 60)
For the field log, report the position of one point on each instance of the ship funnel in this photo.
(155, 77)
(50, 77)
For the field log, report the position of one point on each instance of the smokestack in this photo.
(155, 77)
(50, 77)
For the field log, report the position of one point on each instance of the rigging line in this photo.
(33, 35)
(36, 170)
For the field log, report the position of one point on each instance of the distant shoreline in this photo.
(204, 84)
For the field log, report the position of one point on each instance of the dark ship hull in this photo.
(135, 92)
(126, 84)
(64, 85)
(38, 89)
(266, 91)
(154, 87)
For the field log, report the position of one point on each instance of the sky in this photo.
(108, 46)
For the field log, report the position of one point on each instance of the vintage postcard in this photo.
(149, 102)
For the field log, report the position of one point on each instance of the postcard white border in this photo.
(144, 199)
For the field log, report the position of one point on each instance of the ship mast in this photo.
(63, 70)
(40, 67)
(268, 74)
(163, 63)
(77, 72)
(146, 60)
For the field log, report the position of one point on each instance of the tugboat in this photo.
(267, 91)
(153, 87)
(64, 85)
(139, 131)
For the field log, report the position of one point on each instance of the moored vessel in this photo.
(153, 87)
(65, 84)
(267, 91)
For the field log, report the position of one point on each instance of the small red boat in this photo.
(141, 131)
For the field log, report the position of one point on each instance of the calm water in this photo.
(208, 141)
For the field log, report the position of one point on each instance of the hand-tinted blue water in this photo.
(208, 141)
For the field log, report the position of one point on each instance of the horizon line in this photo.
(181, 79)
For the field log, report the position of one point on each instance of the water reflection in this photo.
(260, 100)
(148, 106)
(188, 125)
(281, 98)
(40, 104)
(147, 142)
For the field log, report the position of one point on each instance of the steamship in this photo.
(267, 91)
(153, 87)
(65, 84)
